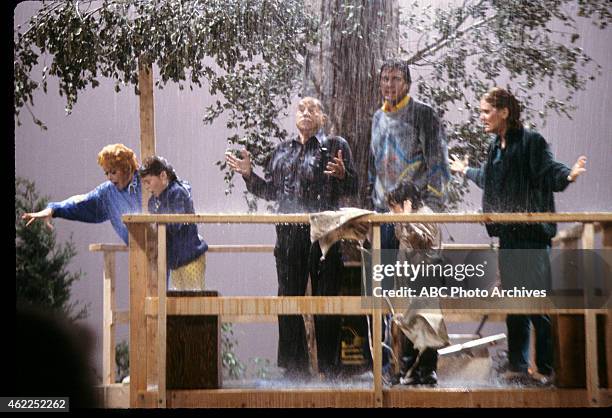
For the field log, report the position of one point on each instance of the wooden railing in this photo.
(149, 308)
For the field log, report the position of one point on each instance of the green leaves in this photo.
(473, 46)
(254, 47)
(41, 275)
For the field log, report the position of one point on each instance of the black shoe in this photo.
(390, 378)
(428, 378)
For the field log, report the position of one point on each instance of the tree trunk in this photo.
(342, 70)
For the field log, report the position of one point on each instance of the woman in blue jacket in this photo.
(118, 196)
(184, 247)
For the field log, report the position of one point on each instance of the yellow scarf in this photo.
(388, 107)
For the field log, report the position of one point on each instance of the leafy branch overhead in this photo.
(252, 56)
(471, 47)
(246, 53)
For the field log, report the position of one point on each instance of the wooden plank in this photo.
(139, 267)
(151, 306)
(147, 117)
(108, 247)
(148, 398)
(114, 396)
(451, 317)
(484, 398)
(396, 397)
(161, 316)
(121, 317)
(607, 235)
(592, 372)
(340, 305)
(608, 352)
(569, 356)
(588, 236)
(108, 325)
(377, 218)
(377, 327)
(151, 321)
(249, 398)
(240, 248)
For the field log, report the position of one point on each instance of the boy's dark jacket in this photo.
(529, 176)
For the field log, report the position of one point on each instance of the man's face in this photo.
(118, 177)
(393, 87)
(494, 120)
(308, 117)
(155, 184)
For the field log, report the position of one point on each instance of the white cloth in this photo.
(421, 322)
(331, 226)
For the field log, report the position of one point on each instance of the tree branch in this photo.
(441, 43)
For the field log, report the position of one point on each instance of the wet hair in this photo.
(404, 191)
(396, 64)
(501, 98)
(154, 165)
(118, 156)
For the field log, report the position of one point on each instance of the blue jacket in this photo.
(103, 203)
(522, 178)
(183, 244)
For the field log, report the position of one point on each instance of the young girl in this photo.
(422, 332)
(184, 247)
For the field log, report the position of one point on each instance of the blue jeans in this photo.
(530, 269)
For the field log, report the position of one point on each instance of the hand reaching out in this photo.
(578, 168)
(336, 168)
(240, 165)
(45, 214)
(459, 166)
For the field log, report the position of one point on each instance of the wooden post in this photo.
(108, 327)
(590, 324)
(161, 315)
(151, 320)
(607, 245)
(139, 269)
(568, 330)
(592, 371)
(376, 327)
(147, 116)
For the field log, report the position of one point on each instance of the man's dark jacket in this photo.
(526, 181)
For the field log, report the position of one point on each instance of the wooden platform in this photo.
(150, 307)
(117, 396)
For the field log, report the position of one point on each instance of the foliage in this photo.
(262, 367)
(41, 275)
(250, 55)
(231, 363)
(122, 360)
(476, 44)
(245, 53)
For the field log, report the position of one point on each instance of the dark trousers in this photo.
(529, 268)
(296, 258)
